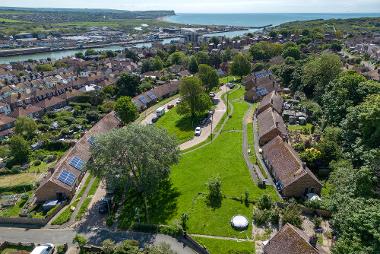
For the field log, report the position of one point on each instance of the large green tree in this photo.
(193, 65)
(127, 85)
(318, 73)
(340, 94)
(19, 149)
(25, 127)
(126, 109)
(208, 76)
(240, 66)
(265, 50)
(195, 100)
(136, 157)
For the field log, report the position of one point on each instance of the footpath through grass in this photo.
(221, 158)
(67, 212)
(218, 246)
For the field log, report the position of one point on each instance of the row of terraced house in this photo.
(292, 177)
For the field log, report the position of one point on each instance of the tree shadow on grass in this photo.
(186, 123)
(162, 207)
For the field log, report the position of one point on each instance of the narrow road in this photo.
(61, 236)
(148, 118)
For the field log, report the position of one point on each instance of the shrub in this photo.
(275, 216)
(292, 214)
(214, 195)
(265, 202)
(261, 217)
(21, 188)
(16, 169)
(37, 163)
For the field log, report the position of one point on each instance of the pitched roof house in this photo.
(29, 110)
(259, 84)
(292, 177)
(273, 100)
(270, 125)
(6, 122)
(290, 240)
(63, 180)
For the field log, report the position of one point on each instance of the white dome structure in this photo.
(239, 222)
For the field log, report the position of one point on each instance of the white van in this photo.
(46, 248)
(160, 111)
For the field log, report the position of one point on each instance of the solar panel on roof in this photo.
(143, 99)
(261, 91)
(77, 163)
(151, 95)
(67, 177)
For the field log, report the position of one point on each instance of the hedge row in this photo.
(17, 188)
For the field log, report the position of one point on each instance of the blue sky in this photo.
(210, 6)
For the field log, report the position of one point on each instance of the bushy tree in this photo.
(26, 127)
(202, 57)
(208, 76)
(214, 195)
(318, 73)
(240, 66)
(194, 99)
(19, 149)
(265, 202)
(292, 52)
(292, 214)
(265, 50)
(127, 85)
(126, 109)
(137, 158)
(193, 65)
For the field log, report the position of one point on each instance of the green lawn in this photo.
(222, 158)
(86, 202)
(13, 211)
(216, 246)
(179, 126)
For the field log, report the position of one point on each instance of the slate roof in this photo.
(290, 240)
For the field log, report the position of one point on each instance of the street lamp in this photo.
(211, 112)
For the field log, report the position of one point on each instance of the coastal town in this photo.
(189, 138)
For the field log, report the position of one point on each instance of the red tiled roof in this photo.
(270, 120)
(82, 150)
(24, 111)
(289, 240)
(50, 102)
(285, 162)
(6, 119)
(271, 100)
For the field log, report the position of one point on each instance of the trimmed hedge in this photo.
(17, 188)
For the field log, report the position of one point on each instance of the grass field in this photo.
(181, 127)
(18, 179)
(87, 201)
(221, 158)
(307, 129)
(2, 20)
(216, 246)
(15, 210)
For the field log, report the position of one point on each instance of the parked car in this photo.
(104, 206)
(160, 111)
(178, 101)
(170, 106)
(47, 248)
(198, 131)
(212, 94)
(154, 119)
(230, 85)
